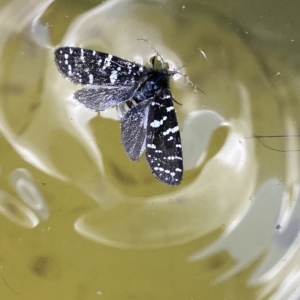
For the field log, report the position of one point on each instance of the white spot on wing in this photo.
(91, 78)
(114, 76)
(70, 70)
(155, 124)
(107, 61)
(82, 55)
(173, 130)
(151, 146)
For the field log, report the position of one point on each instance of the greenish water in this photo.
(79, 220)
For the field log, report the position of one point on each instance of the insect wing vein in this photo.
(134, 128)
(163, 143)
(103, 97)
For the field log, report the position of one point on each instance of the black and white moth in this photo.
(151, 121)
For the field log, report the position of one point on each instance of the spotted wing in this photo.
(163, 143)
(134, 129)
(85, 66)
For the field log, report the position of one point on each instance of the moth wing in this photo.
(163, 142)
(86, 66)
(103, 97)
(134, 129)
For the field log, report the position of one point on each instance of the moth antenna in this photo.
(188, 80)
(154, 49)
(176, 71)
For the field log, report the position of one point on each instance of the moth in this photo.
(150, 123)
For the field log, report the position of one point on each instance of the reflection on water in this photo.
(230, 229)
(245, 239)
(23, 183)
(29, 192)
(17, 212)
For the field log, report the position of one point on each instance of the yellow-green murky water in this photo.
(79, 220)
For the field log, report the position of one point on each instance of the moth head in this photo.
(158, 63)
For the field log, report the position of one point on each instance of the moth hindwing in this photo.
(150, 123)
